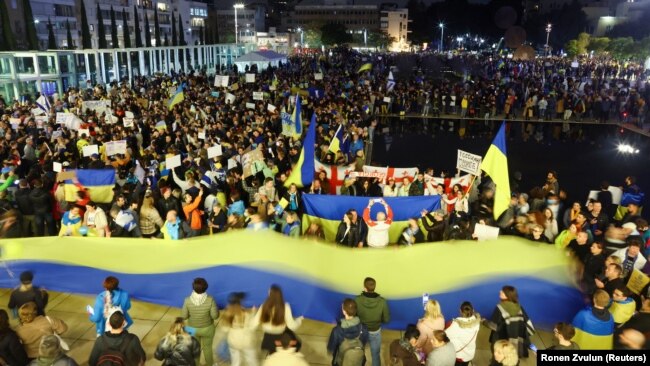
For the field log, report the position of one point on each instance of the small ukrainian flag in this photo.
(365, 67)
(178, 97)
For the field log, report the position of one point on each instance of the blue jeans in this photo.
(375, 347)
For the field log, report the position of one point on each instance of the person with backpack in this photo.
(110, 300)
(178, 348)
(348, 338)
(117, 347)
(27, 292)
(373, 311)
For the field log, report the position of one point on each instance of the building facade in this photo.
(394, 21)
(59, 12)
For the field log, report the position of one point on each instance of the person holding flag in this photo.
(495, 164)
(302, 174)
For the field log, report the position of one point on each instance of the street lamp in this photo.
(442, 37)
(302, 36)
(549, 27)
(237, 6)
(460, 40)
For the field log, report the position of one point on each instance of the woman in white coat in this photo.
(463, 332)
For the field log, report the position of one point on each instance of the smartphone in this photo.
(533, 348)
(425, 300)
(90, 310)
(378, 200)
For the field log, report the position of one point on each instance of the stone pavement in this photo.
(151, 322)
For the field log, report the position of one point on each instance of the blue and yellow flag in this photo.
(303, 172)
(335, 145)
(327, 211)
(178, 97)
(98, 182)
(365, 67)
(495, 164)
(292, 123)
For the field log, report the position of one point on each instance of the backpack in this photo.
(111, 356)
(351, 352)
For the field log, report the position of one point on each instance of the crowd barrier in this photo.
(315, 276)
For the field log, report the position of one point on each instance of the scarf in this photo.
(511, 308)
(198, 299)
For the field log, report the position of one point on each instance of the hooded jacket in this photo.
(372, 310)
(41, 200)
(346, 329)
(463, 333)
(119, 298)
(132, 350)
(594, 329)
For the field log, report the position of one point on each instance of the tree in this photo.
(138, 32)
(51, 40)
(30, 26)
(181, 34)
(147, 30)
(577, 47)
(334, 34)
(101, 31)
(69, 35)
(86, 41)
(174, 35)
(114, 38)
(125, 30)
(380, 39)
(8, 40)
(156, 26)
(313, 36)
(201, 35)
(621, 48)
(598, 44)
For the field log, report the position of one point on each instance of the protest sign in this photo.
(318, 76)
(469, 163)
(250, 78)
(230, 98)
(271, 108)
(221, 80)
(485, 232)
(88, 150)
(99, 106)
(115, 147)
(214, 151)
(249, 159)
(173, 162)
(250, 105)
(258, 96)
(128, 122)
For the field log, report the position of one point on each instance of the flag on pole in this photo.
(43, 104)
(390, 83)
(178, 97)
(495, 164)
(365, 67)
(303, 172)
(292, 124)
(335, 145)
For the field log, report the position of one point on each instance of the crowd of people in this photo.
(210, 195)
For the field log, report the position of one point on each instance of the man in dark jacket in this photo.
(118, 340)
(41, 201)
(373, 312)
(25, 208)
(434, 223)
(348, 327)
(168, 203)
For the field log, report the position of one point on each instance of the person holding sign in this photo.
(378, 230)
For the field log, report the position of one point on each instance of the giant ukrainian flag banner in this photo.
(495, 164)
(328, 211)
(315, 278)
(98, 182)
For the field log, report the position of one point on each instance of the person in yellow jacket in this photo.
(622, 307)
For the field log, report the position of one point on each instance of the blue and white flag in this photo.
(390, 83)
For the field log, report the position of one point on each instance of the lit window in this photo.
(162, 6)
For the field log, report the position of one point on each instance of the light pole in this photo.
(237, 6)
(302, 36)
(365, 38)
(442, 37)
(549, 27)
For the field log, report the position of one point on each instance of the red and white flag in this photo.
(398, 173)
(450, 182)
(335, 173)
